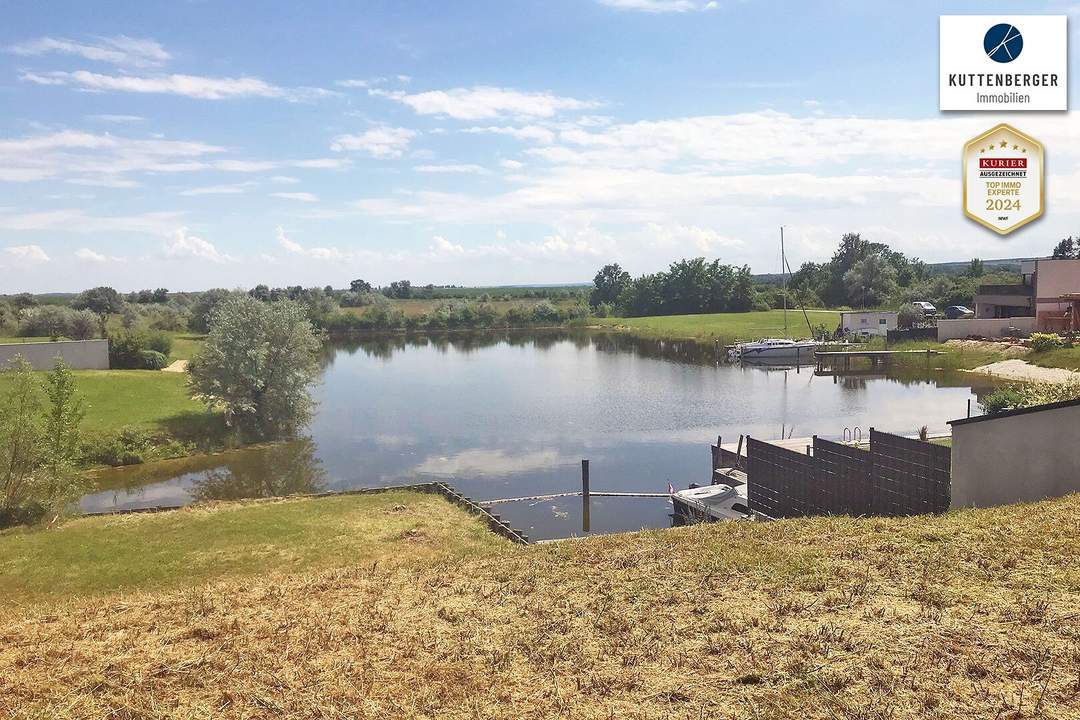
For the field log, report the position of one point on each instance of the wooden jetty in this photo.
(829, 359)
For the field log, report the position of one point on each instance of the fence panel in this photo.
(910, 477)
(843, 479)
(780, 482)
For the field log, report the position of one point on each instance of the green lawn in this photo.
(185, 345)
(727, 327)
(147, 399)
(100, 555)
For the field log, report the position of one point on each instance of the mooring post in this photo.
(584, 496)
(969, 407)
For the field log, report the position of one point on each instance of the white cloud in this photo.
(379, 142)
(25, 255)
(92, 256)
(298, 196)
(284, 180)
(104, 182)
(690, 239)
(95, 158)
(117, 50)
(184, 245)
(318, 253)
(511, 164)
(246, 166)
(532, 133)
(232, 189)
(483, 102)
(352, 83)
(76, 220)
(116, 119)
(658, 6)
(192, 86)
(465, 169)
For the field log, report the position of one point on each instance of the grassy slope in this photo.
(726, 326)
(93, 556)
(147, 399)
(967, 615)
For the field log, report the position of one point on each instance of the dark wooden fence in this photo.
(895, 476)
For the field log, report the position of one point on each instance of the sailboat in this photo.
(782, 349)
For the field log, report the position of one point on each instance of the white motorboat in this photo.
(777, 349)
(711, 502)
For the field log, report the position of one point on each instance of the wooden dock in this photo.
(831, 358)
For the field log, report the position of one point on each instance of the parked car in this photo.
(954, 312)
(928, 309)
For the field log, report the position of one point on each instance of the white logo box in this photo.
(1037, 79)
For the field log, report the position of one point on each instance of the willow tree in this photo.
(259, 363)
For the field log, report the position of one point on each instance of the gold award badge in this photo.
(1003, 179)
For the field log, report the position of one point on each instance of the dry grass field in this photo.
(970, 615)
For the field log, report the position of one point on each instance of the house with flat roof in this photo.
(1047, 299)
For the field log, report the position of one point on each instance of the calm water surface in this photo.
(511, 415)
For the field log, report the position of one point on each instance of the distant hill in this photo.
(942, 268)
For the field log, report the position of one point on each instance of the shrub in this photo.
(603, 310)
(159, 342)
(128, 446)
(1002, 399)
(153, 360)
(125, 350)
(1042, 342)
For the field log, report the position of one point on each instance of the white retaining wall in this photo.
(79, 354)
(990, 327)
(1022, 456)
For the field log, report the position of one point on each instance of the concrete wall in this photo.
(79, 354)
(953, 329)
(1054, 278)
(1016, 458)
(869, 321)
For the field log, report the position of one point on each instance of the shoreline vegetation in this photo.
(788, 614)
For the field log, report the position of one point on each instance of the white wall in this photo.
(79, 354)
(869, 321)
(953, 329)
(1016, 458)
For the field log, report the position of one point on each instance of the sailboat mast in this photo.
(783, 278)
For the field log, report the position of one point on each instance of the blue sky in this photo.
(199, 144)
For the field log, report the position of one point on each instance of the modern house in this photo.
(1046, 300)
(869, 322)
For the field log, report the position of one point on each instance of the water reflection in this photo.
(511, 414)
(283, 469)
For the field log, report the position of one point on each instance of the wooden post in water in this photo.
(584, 496)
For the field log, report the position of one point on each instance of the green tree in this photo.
(259, 362)
(608, 283)
(360, 286)
(20, 436)
(870, 281)
(1067, 249)
(100, 300)
(975, 268)
(61, 434)
(203, 308)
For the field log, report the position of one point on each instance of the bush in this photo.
(1043, 342)
(128, 446)
(125, 350)
(1002, 399)
(29, 513)
(159, 342)
(153, 360)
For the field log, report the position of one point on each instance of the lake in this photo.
(506, 415)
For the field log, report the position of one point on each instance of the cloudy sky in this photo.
(211, 143)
